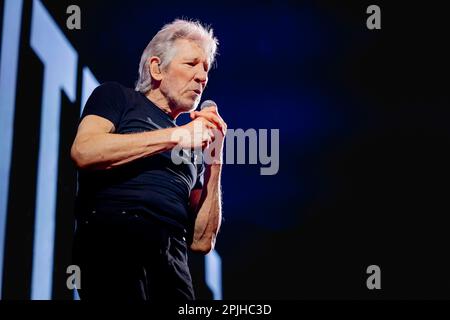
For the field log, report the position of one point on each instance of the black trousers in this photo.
(126, 255)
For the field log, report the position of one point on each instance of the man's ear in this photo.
(155, 69)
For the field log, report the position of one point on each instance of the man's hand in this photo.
(211, 114)
(206, 126)
(198, 133)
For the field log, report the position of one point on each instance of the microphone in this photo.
(207, 103)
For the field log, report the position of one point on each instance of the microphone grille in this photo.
(207, 103)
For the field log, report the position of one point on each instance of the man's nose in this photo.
(201, 76)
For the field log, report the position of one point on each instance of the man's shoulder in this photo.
(111, 86)
(112, 90)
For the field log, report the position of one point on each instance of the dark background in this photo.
(363, 118)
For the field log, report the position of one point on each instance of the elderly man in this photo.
(137, 211)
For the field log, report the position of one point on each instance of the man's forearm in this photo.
(108, 150)
(209, 216)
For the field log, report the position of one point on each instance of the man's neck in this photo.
(161, 102)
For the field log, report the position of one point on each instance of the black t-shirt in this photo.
(154, 184)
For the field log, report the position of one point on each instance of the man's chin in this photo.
(185, 105)
(196, 103)
(190, 106)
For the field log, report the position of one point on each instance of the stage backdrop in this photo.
(344, 174)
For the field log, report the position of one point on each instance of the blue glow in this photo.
(89, 84)
(8, 77)
(76, 296)
(213, 270)
(60, 60)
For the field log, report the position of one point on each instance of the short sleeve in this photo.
(200, 176)
(106, 101)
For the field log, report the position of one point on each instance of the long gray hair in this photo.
(162, 46)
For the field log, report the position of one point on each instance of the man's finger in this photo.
(212, 108)
(210, 116)
(207, 123)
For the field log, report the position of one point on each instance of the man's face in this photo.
(186, 76)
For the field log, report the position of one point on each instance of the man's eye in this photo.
(192, 64)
